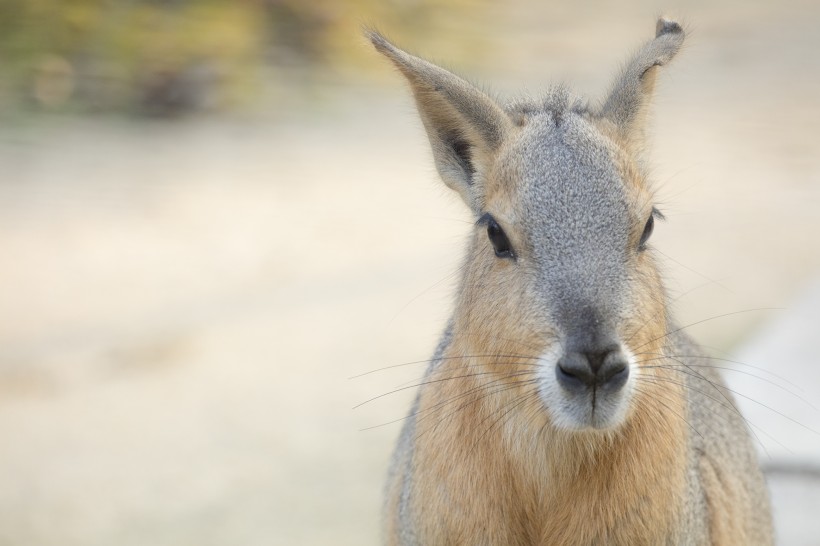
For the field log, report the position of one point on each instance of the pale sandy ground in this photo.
(183, 304)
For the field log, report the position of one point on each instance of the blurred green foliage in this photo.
(153, 57)
(166, 57)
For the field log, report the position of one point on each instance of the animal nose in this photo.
(593, 369)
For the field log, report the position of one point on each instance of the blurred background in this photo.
(213, 214)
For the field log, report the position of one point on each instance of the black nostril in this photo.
(614, 372)
(607, 369)
(573, 372)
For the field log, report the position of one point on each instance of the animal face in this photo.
(559, 277)
(562, 247)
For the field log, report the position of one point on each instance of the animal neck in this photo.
(603, 484)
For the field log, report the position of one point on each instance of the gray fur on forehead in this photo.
(562, 162)
(573, 205)
(570, 186)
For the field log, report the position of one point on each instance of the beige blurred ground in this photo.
(182, 305)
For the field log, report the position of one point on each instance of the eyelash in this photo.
(649, 228)
(499, 240)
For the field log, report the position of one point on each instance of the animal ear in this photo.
(464, 125)
(627, 103)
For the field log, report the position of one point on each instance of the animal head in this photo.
(560, 271)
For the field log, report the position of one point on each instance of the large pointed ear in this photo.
(464, 125)
(627, 104)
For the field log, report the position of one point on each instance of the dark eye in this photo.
(498, 238)
(647, 232)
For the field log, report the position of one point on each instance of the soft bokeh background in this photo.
(213, 214)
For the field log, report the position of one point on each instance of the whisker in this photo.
(429, 382)
(737, 362)
(664, 309)
(734, 409)
(667, 334)
(673, 412)
(660, 381)
(760, 404)
(443, 358)
(729, 368)
(728, 400)
(438, 405)
(447, 277)
(511, 363)
(513, 405)
(498, 390)
(499, 385)
(698, 273)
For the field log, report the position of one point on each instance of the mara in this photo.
(563, 405)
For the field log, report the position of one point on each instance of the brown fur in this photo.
(481, 459)
(620, 488)
(598, 487)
